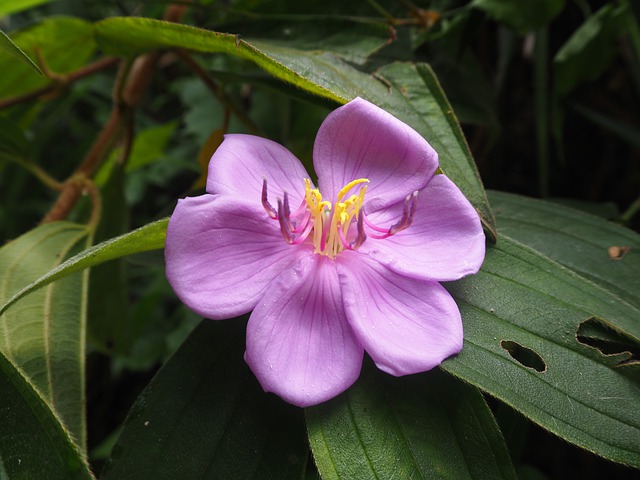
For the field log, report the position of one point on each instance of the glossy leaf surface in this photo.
(422, 426)
(205, 416)
(521, 316)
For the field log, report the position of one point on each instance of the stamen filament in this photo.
(329, 224)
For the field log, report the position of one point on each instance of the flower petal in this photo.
(445, 241)
(406, 325)
(221, 254)
(360, 140)
(241, 162)
(299, 343)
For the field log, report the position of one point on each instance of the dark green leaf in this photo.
(33, 443)
(325, 74)
(523, 15)
(522, 313)
(205, 416)
(425, 426)
(43, 334)
(353, 39)
(577, 240)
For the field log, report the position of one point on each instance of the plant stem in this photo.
(131, 83)
(60, 82)
(630, 212)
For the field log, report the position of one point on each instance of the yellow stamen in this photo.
(326, 234)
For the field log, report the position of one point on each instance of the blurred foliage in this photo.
(547, 94)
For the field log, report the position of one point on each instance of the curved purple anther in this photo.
(407, 214)
(284, 223)
(362, 236)
(265, 201)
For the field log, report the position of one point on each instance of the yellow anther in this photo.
(343, 191)
(330, 227)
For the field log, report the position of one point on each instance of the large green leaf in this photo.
(43, 335)
(426, 426)
(556, 231)
(63, 43)
(523, 15)
(325, 74)
(13, 6)
(352, 38)
(527, 320)
(144, 239)
(33, 443)
(205, 416)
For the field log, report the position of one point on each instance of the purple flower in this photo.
(329, 272)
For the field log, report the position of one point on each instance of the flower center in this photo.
(330, 226)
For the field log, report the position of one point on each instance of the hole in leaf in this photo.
(524, 356)
(608, 341)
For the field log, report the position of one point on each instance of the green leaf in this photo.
(63, 43)
(352, 38)
(425, 426)
(205, 416)
(8, 7)
(329, 76)
(7, 46)
(522, 313)
(144, 239)
(33, 443)
(148, 146)
(589, 51)
(575, 239)
(43, 335)
(133, 36)
(523, 15)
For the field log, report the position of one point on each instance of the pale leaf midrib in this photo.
(4, 284)
(47, 315)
